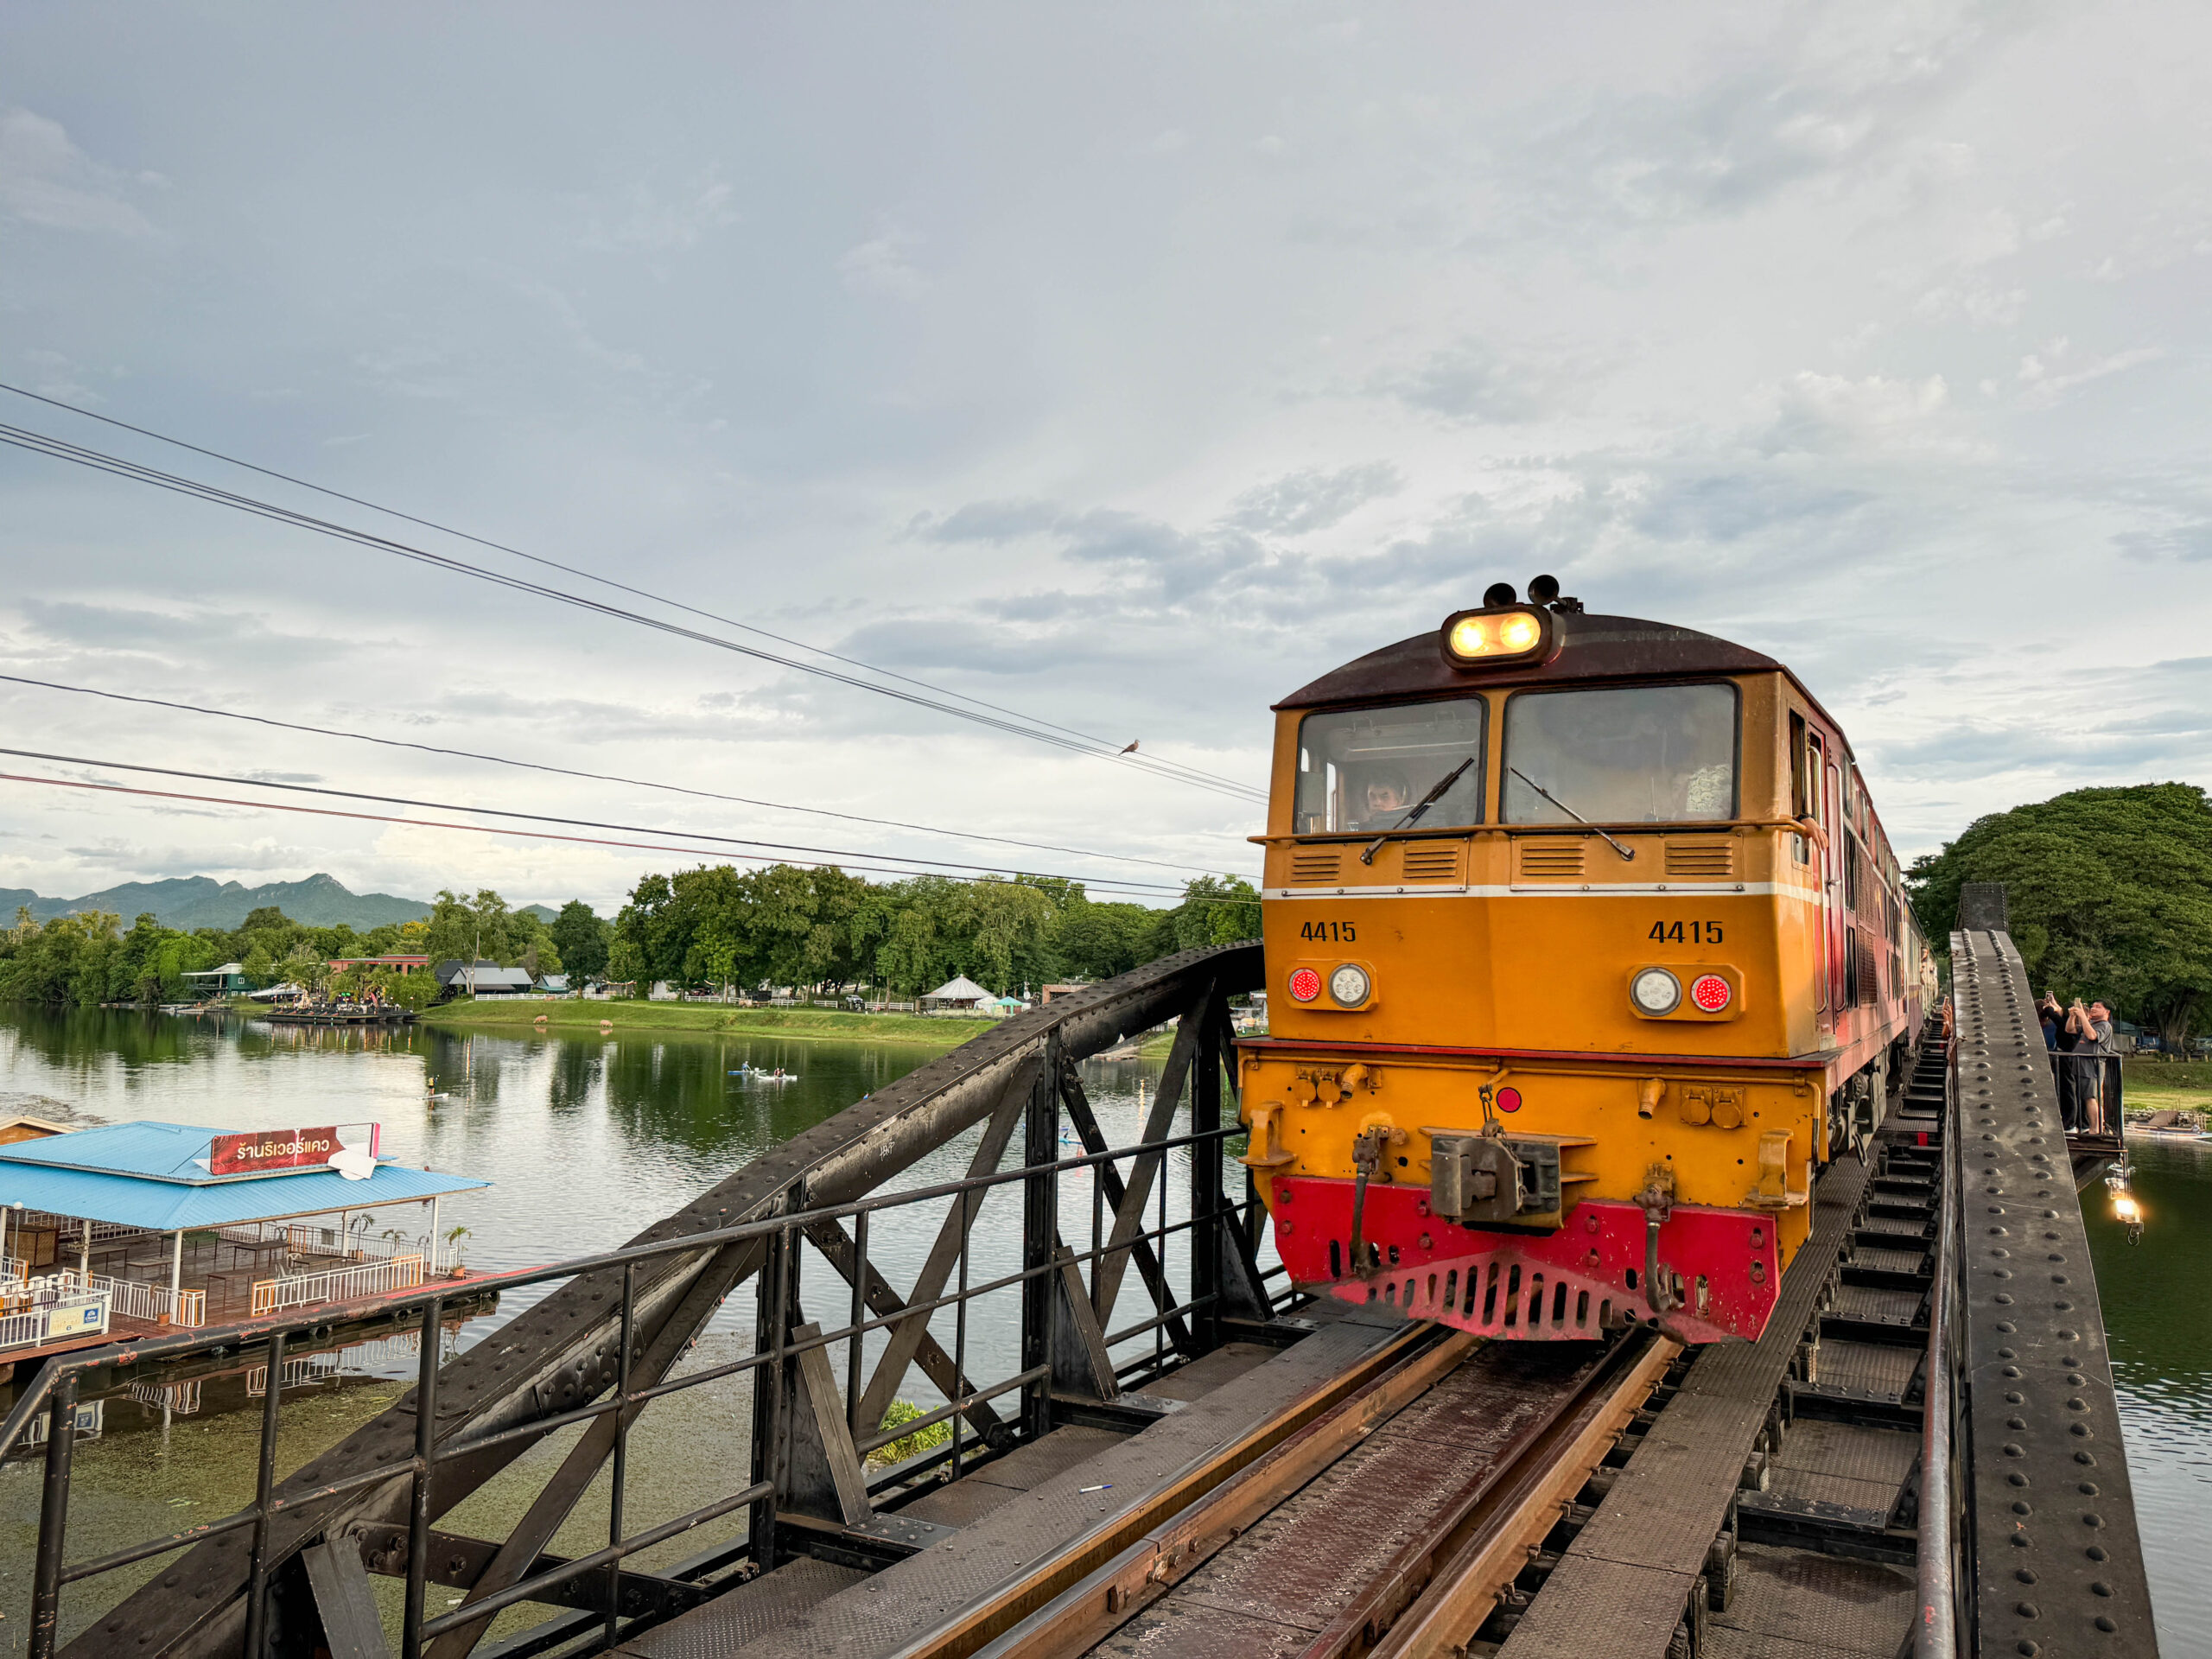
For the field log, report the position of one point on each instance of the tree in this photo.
(583, 936)
(1216, 910)
(483, 928)
(2109, 892)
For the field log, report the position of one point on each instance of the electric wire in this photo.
(1160, 765)
(60, 450)
(1124, 884)
(596, 777)
(498, 829)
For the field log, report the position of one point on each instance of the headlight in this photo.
(1305, 985)
(1655, 991)
(1710, 992)
(1519, 632)
(1472, 637)
(1348, 985)
(1494, 636)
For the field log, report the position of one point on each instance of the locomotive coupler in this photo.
(1367, 1149)
(1657, 1202)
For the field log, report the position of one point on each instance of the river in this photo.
(586, 1140)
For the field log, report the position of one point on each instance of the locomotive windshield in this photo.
(1632, 755)
(1366, 769)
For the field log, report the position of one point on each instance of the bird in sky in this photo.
(1132, 749)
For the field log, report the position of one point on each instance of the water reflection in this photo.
(2160, 1324)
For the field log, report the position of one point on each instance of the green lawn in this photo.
(2167, 1077)
(828, 1024)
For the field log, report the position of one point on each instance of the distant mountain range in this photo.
(188, 901)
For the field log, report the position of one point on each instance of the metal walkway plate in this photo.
(999, 1552)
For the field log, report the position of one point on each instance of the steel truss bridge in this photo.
(1923, 1454)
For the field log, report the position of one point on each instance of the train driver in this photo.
(1383, 796)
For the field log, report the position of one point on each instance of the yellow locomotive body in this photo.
(1563, 1047)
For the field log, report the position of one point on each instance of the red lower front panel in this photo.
(1565, 1286)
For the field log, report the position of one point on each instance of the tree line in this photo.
(90, 958)
(2109, 892)
(827, 930)
(714, 926)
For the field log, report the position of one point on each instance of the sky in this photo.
(1127, 367)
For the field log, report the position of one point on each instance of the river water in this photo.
(587, 1141)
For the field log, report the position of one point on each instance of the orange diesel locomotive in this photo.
(1585, 949)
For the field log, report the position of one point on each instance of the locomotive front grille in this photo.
(1431, 861)
(1321, 866)
(1548, 858)
(1709, 858)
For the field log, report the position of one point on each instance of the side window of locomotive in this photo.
(1366, 769)
(1628, 754)
(1800, 785)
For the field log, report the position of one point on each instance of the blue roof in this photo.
(145, 1176)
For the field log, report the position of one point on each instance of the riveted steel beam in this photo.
(2057, 1563)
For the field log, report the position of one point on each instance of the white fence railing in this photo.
(71, 1229)
(350, 1242)
(338, 1285)
(134, 1299)
(68, 1314)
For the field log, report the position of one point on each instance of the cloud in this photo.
(1469, 380)
(648, 219)
(1829, 412)
(2187, 544)
(2045, 382)
(45, 179)
(986, 521)
(1310, 499)
(884, 266)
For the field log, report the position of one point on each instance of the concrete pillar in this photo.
(85, 1255)
(436, 1259)
(176, 1269)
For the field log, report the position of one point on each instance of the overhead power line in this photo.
(485, 828)
(596, 777)
(1105, 747)
(236, 781)
(60, 450)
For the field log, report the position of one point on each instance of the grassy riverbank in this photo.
(580, 1018)
(2155, 1085)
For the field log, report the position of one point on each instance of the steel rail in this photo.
(1265, 1461)
(1555, 1450)
(1493, 1540)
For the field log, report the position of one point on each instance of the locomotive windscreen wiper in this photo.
(1628, 854)
(1421, 806)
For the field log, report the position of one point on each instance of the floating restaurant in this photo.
(131, 1229)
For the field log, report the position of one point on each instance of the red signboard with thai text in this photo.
(264, 1150)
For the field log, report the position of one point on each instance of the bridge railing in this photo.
(605, 1345)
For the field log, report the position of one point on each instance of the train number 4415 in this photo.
(1685, 933)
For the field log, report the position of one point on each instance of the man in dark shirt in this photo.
(2096, 1064)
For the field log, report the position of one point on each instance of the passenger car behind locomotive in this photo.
(1562, 1048)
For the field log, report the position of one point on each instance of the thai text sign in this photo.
(265, 1150)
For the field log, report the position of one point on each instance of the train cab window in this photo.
(1628, 755)
(1365, 769)
(1802, 772)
